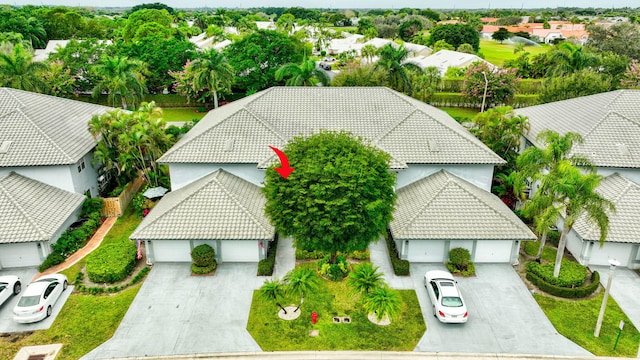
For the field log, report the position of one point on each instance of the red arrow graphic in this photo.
(284, 170)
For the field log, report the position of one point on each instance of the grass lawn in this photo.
(548, 253)
(460, 114)
(333, 299)
(85, 321)
(576, 320)
(497, 53)
(181, 114)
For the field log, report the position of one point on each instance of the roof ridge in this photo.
(19, 207)
(238, 203)
(426, 204)
(619, 93)
(10, 92)
(394, 125)
(39, 130)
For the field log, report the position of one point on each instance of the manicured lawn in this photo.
(181, 114)
(333, 299)
(548, 253)
(497, 53)
(85, 322)
(576, 320)
(460, 114)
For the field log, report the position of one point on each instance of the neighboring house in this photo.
(47, 139)
(352, 42)
(218, 167)
(444, 59)
(417, 49)
(52, 46)
(33, 215)
(266, 25)
(203, 42)
(610, 126)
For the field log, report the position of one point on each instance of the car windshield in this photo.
(26, 301)
(451, 301)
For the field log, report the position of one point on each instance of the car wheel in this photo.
(64, 285)
(49, 311)
(17, 287)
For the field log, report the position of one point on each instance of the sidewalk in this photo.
(93, 244)
(285, 257)
(380, 257)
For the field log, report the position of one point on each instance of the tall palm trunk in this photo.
(215, 99)
(543, 240)
(562, 243)
(124, 102)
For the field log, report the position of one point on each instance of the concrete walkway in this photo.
(93, 244)
(380, 257)
(285, 257)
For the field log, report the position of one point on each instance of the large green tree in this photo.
(456, 35)
(305, 74)
(19, 72)
(340, 196)
(392, 59)
(140, 18)
(78, 57)
(567, 58)
(622, 39)
(258, 56)
(213, 73)
(122, 78)
(501, 35)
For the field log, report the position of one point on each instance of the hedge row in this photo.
(568, 293)
(265, 266)
(93, 290)
(112, 262)
(400, 267)
(317, 254)
(162, 100)
(454, 99)
(571, 274)
(524, 86)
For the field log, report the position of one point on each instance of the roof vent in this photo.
(623, 149)
(229, 145)
(433, 146)
(4, 146)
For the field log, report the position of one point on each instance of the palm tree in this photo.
(574, 194)
(121, 77)
(273, 290)
(35, 33)
(300, 281)
(568, 58)
(305, 74)
(364, 278)
(534, 162)
(286, 23)
(369, 52)
(212, 72)
(392, 60)
(19, 72)
(383, 302)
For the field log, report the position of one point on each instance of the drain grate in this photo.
(37, 357)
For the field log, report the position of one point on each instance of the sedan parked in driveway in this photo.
(39, 297)
(447, 302)
(9, 285)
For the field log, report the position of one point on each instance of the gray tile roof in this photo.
(217, 206)
(443, 206)
(409, 130)
(608, 122)
(31, 210)
(43, 129)
(624, 223)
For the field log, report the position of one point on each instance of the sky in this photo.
(337, 4)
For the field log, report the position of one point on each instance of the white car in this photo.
(447, 302)
(9, 285)
(38, 299)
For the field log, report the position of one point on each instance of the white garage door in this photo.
(493, 251)
(426, 251)
(239, 251)
(19, 255)
(171, 251)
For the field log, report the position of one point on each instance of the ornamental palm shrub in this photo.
(273, 291)
(365, 277)
(383, 302)
(300, 281)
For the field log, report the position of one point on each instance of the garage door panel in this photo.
(426, 251)
(493, 251)
(19, 255)
(171, 251)
(239, 251)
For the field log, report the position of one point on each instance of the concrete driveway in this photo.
(175, 313)
(503, 317)
(6, 310)
(625, 288)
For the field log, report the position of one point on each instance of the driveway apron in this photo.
(175, 313)
(625, 289)
(503, 317)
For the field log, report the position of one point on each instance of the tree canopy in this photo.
(340, 196)
(456, 35)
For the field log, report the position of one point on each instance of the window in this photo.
(436, 291)
(81, 166)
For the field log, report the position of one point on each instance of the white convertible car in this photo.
(447, 303)
(38, 299)
(9, 285)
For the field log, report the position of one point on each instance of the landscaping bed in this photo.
(335, 299)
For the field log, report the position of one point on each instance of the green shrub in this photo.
(571, 274)
(460, 262)
(360, 254)
(265, 266)
(52, 259)
(564, 292)
(112, 262)
(302, 254)
(203, 255)
(203, 269)
(553, 236)
(400, 267)
(92, 206)
(94, 290)
(334, 272)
